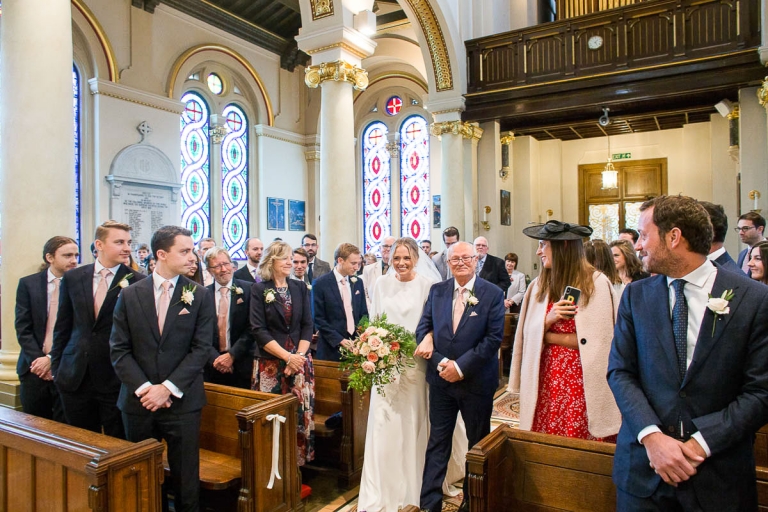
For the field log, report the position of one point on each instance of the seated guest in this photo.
(627, 263)
(490, 267)
(281, 322)
(195, 272)
(142, 255)
(339, 302)
(717, 252)
(370, 258)
(599, 255)
(300, 261)
(517, 285)
(231, 355)
(630, 235)
(37, 303)
(560, 354)
(758, 255)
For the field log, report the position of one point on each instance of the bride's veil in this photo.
(425, 267)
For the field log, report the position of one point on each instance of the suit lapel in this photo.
(112, 292)
(86, 281)
(335, 291)
(657, 302)
(293, 287)
(146, 292)
(175, 307)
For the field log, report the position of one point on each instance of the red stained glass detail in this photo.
(394, 105)
(194, 111)
(415, 194)
(375, 136)
(195, 186)
(415, 229)
(376, 231)
(413, 130)
(414, 161)
(234, 121)
(376, 165)
(376, 198)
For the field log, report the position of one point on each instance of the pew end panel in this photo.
(256, 445)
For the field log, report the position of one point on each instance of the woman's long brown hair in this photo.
(569, 268)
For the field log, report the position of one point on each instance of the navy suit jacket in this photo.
(81, 341)
(724, 394)
(330, 318)
(725, 261)
(141, 354)
(475, 344)
(241, 345)
(31, 318)
(740, 262)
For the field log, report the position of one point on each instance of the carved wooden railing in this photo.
(644, 36)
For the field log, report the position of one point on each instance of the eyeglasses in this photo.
(743, 229)
(386, 246)
(221, 266)
(309, 246)
(465, 259)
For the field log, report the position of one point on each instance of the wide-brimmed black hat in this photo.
(556, 230)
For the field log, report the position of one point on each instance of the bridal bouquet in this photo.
(378, 355)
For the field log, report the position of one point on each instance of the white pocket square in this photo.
(473, 314)
(357, 292)
(239, 301)
(184, 311)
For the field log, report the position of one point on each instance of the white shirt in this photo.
(157, 282)
(51, 287)
(97, 267)
(217, 296)
(713, 256)
(697, 288)
(251, 269)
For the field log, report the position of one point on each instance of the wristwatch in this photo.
(300, 354)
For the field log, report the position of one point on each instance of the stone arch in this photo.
(101, 56)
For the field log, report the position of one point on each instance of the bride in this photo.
(398, 423)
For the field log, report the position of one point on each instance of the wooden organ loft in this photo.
(636, 57)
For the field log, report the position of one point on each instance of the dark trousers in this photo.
(182, 434)
(92, 407)
(239, 378)
(40, 397)
(444, 405)
(665, 499)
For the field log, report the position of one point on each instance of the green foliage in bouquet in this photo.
(380, 352)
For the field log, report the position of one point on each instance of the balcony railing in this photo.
(637, 37)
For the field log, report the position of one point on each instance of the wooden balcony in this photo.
(647, 46)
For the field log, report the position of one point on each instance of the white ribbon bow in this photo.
(276, 420)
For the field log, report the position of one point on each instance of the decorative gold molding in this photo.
(321, 9)
(338, 71)
(312, 156)
(101, 35)
(344, 46)
(448, 111)
(393, 76)
(176, 69)
(736, 112)
(762, 93)
(466, 130)
(507, 139)
(438, 51)
(394, 149)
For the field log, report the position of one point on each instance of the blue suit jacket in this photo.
(475, 344)
(725, 261)
(740, 262)
(724, 394)
(330, 318)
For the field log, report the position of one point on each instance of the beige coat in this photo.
(594, 332)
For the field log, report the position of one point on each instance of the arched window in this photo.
(76, 108)
(195, 170)
(377, 224)
(414, 178)
(234, 181)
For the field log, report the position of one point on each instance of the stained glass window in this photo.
(394, 105)
(195, 171)
(377, 223)
(414, 178)
(76, 108)
(214, 84)
(234, 182)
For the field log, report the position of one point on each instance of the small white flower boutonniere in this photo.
(309, 287)
(719, 306)
(123, 282)
(236, 290)
(269, 295)
(472, 300)
(353, 279)
(188, 294)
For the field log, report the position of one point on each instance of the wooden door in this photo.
(609, 211)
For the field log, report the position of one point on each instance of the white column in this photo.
(396, 204)
(218, 129)
(472, 204)
(753, 152)
(312, 155)
(36, 149)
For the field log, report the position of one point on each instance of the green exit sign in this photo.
(622, 156)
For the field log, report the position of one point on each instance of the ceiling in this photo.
(619, 125)
(269, 24)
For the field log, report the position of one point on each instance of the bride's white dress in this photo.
(398, 423)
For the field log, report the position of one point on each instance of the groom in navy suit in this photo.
(466, 315)
(688, 371)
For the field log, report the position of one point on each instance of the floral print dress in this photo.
(269, 377)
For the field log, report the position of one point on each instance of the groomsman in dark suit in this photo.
(490, 268)
(339, 302)
(80, 362)
(37, 303)
(253, 250)
(316, 267)
(717, 252)
(230, 362)
(687, 368)
(160, 343)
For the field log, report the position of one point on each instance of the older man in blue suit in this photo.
(466, 315)
(339, 302)
(688, 371)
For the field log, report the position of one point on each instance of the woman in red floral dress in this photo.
(560, 355)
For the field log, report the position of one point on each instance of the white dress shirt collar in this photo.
(97, 266)
(469, 286)
(699, 276)
(714, 255)
(51, 276)
(218, 287)
(157, 281)
(338, 275)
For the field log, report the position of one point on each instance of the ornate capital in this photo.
(466, 130)
(507, 139)
(394, 149)
(312, 155)
(735, 114)
(338, 71)
(762, 93)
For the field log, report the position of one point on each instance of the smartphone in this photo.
(572, 294)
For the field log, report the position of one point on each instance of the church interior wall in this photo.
(753, 153)
(725, 173)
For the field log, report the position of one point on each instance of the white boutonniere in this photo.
(719, 306)
(188, 294)
(236, 290)
(472, 300)
(269, 295)
(353, 279)
(309, 287)
(123, 282)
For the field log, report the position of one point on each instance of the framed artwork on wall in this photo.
(506, 208)
(436, 211)
(276, 213)
(296, 219)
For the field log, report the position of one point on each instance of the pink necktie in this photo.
(101, 291)
(458, 309)
(162, 305)
(53, 309)
(222, 318)
(347, 299)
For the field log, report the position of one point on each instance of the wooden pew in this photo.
(526, 471)
(507, 341)
(236, 448)
(343, 446)
(46, 465)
